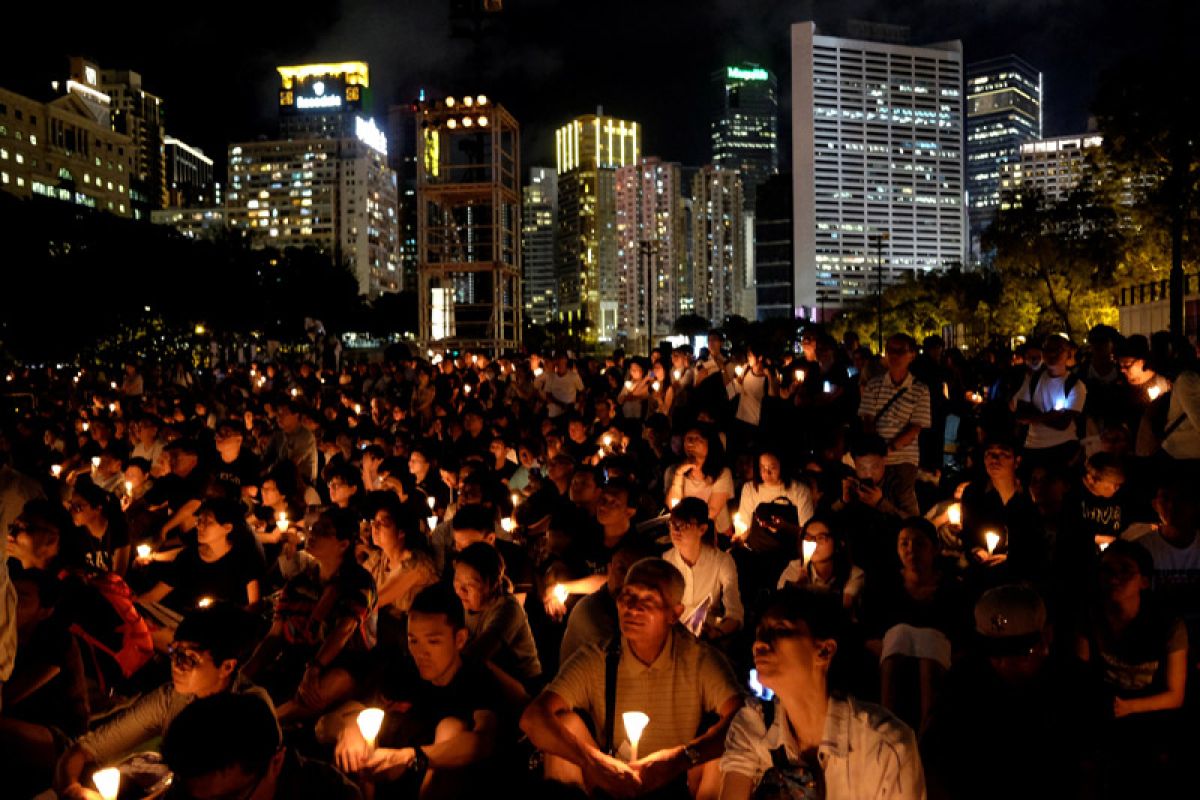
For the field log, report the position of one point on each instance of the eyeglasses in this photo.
(681, 524)
(183, 659)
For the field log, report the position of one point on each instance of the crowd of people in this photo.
(724, 572)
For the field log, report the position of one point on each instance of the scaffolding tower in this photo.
(468, 225)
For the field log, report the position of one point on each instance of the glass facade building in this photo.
(539, 208)
(745, 132)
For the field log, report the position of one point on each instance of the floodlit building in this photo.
(539, 209)
(651, 253)
(745, 132)
(588, 151)
(721, 285)
(877, 133)
(1051, 166)
(1004, 111)
(66, 149)
(325, 183)
(139, 115)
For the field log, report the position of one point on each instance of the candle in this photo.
(129, 488)
(600, 453)
(85, 427)
(678, 374)
(828, 387)
(516, 499)
(431, 522)
(799, 376)
(508, 524)
(204, 602)
(738, 370)
(1104, 546)
(1060, 404)
(809, 547)
(431, 501)
(607, 440)
(295, 391)
(467, 389)
(655, 385)
(358, 408)
(56, 470)
(628, 385)
(560, 593)
(1153, 392)
(370, 720)
(95, 462)
(112, 408)
(954, 513)
(538, 372)
(113, 384)
(993, 539)
(282, 520)
(144, 551)
(635, 723)
(739, 523)
(108, 782)
(674, 502)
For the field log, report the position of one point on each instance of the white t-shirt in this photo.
(562, 388)
(1051, 395)
(753, 389)
(697, 485)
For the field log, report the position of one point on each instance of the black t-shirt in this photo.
(80, 547)
(243, 471)
(419, 706)
(191, 577)
(175, 491)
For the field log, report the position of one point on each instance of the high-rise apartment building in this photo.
(139, 115)
(539, 212)
(1051, 166)
(651, 252)
(66, 149)
(877, 132)
(1004, 110)
(588, 151)
(745, 133)
(720, 284)
(326, 182)
(189, 176)
(774, 277)
(402, 157)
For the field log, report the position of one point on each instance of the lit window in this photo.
(20, 158)
(33, 139)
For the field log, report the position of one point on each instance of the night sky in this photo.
(546, 60)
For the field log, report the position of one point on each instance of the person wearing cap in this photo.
(810, 741)
(319, 639)
(230, 746)
(210, 646)
(661, 671)
(1009, 700)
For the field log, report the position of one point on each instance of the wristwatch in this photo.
(692, 755)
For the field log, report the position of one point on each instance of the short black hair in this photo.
(222, 630)
(869, 445)
(221, 731)
(691, 509)
(821, 611)
(440, 598)
(474, 518)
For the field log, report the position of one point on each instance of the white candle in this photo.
(431, 522)
(560, 593)
(85, 427)
(635, 723)
(516, 499)
(358, 408)
(954, 513)
(1104, 546)
(993, 539)
(508, 524)
(108, 782)
(431, 501)
(738, 370)
(282, 520)
(95, 462)
(56, 470)
(828, 388)
(370, 720)
(144, 551)
(129, 488)
(1153, 392)
(678, 374)
(467, 389)
(607, 440)
(628, 385)
(204, 602)
(809, 547)
(538, 372)
(655, 385)
(799, 376)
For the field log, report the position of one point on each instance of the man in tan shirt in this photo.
(662, 671)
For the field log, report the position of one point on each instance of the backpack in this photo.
(136, 647)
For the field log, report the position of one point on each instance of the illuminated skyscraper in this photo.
(189, 176)
(651, 253)
(720, 283)
(877, 132)
(745, 132)
(1051, 167)
(539, 209)
(326, 183)
(589, 149)
(1004, 110)
(402, 131)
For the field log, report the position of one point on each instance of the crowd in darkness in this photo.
(725, 572)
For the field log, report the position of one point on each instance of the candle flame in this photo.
(144, 551)
(108, 782)
(954, 514)
(810, 548)
(993, 539)
(370, 720)
(560, 593)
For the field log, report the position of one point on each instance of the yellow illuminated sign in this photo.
(432, 151)
(355, 72)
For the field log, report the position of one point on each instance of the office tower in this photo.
(326, 182)
(539, 210)
(189, 176)
(139, 115)
(651, 253)
(745, 132)
(588, 151)
(1004, 110)
(469, 224)
(322, 101)
(774, 276)
(720, 284)
(877, 165)
(66, 149)
(402, 157)
(1051, 166)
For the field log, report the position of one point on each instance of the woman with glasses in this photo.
(703, 474)
(222, 565)
(711, 600)
(98, 514)
(401, 563)
(828, 568)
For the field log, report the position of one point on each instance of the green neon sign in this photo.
(757, 74)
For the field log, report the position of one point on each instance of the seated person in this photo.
(210, 644)
(499, 630)
(45, 701)
(709, 574)
(808, 742)
(828, 567)
(401, 563)
(441, 723)
(593, 620)
(230, 746)
(662, 671)
(97, 514)
(869, 509)
(319, 639)
(998, 502)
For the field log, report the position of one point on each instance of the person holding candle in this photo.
(828, 567)
(760, 530)
(661, 671)
(401, 564)
(635, 392)
(709, 574)
(1050, 402)
(98, 514)
(811, 742)
(210, 646)
(998, 501)
(703, 474)
(441, 725)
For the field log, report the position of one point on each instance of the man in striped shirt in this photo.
(896, 406)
